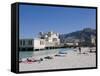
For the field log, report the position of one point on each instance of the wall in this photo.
(37, 44)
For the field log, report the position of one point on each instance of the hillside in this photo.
(84, 35)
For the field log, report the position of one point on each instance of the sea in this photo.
(26, 54)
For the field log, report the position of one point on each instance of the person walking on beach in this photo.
(90, 50)
(80, 50)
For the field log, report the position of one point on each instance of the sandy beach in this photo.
(73, 59)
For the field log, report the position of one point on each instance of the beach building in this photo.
(93, 40)
(26, 43)
(71, 42)
(49, 39)
(38, 43)
(32, 43)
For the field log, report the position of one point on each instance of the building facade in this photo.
(38, 43)
(93, 40)
(26, 43)
(49, 39)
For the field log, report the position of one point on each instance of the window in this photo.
(20, 42)
(54, 39)
(23, 42)
(30, 42)
(41, 42)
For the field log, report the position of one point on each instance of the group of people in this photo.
(80, 50)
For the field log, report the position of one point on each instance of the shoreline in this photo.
(48, 48)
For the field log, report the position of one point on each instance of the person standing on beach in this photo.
(79, 49)
(90, 50)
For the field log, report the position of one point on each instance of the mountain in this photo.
(84, 35)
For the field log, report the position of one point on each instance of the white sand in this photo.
(70, 60)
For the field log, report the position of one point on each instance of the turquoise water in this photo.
(25, 54)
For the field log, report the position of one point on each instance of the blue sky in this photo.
(34, 19)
